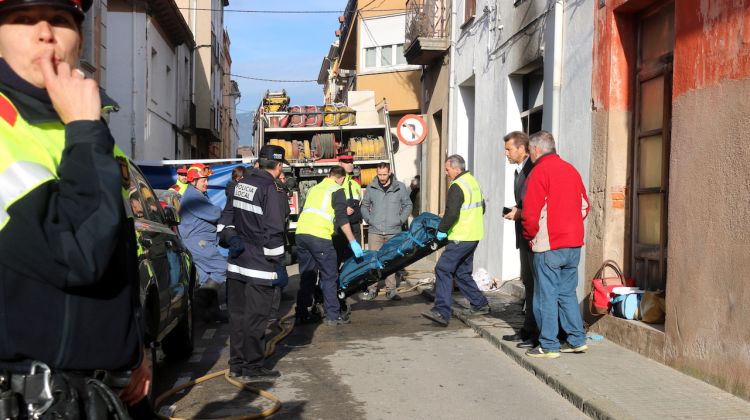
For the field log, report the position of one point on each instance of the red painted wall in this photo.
(712, 43)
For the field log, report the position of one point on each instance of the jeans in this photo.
(375, 242)
(556, 278)
(457, 260)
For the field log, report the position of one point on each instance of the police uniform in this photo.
(253, 223)
(324, 211)
(465, 228)
(68, 268)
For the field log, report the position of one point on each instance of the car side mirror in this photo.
(171, 217)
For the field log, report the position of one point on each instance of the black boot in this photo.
(207, 306)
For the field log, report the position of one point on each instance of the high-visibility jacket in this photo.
(353, 194)
(317, 216)
(68, 266)
(179, 187)
(470, 226)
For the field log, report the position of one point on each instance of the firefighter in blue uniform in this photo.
(324, 210)
(68, 270)
(252, 226)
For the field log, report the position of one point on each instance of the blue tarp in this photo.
(162, 177)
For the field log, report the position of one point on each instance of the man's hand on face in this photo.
(74, 97)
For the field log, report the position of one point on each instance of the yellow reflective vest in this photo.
(317, 216)
(470, 226)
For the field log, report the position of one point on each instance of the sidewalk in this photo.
(607, 382)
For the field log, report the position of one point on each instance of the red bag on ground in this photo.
(601, 288)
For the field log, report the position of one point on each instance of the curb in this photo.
(597, 407)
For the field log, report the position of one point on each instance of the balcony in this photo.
(426, 31)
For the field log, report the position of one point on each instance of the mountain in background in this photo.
(245, 120)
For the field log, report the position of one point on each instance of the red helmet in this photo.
(198, 170)
(77, 7)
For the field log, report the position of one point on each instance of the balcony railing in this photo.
(426, 30)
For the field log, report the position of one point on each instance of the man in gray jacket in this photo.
(385, 207)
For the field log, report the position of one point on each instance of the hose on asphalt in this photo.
(286, 328)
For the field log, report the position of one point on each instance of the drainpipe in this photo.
(557, 59)
(452, 78)
(132, 82)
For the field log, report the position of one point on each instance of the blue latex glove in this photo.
(441, 235)
(356, 249)
(236, 247)
(282, 277)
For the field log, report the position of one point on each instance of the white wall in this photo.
(486, 53)
(126, 79)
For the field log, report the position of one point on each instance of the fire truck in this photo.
(313, 136)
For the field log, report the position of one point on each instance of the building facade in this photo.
(229, 133)
(148, 74)
(521, 65)
(370, 57)
(670, 164)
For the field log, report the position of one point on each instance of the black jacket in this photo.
(256, 211)
(68, 268)
(519, 191)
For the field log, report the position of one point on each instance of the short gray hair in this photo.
(544, 141)
(456, 161)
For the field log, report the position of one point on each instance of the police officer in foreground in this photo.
(353, 194)
(463, 226)
(254, 220)
(324, 210)
(68, 270)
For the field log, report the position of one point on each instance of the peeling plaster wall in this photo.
(708, 290)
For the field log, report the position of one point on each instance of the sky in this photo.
(280, 47)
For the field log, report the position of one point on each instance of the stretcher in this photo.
(400, 251)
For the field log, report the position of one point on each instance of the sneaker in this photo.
(567, 348)
(367, 295)
(528, 343)
(392, 295)
(541, 353)
(476, 310)
(336, 322)
(435, 317)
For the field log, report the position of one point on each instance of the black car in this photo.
(166, 269)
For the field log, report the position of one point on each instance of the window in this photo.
(370, 57)
(386, 55)
(533, 101)
(651, 139)
(470, 9)
(400, 59)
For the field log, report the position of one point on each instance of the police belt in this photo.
(29, 389)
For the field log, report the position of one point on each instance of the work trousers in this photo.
(527, 278)
(317, 256)
(375, 242)
(555, 297)
(341, 244)
(249, 307)
(457, 261)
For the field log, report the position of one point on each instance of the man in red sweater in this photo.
(553, 211)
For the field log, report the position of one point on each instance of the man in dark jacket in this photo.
(553, 211)
(68, 268)
(517, 152)
(385, 208)
(253, 225)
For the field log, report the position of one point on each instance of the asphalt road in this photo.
(389, 363)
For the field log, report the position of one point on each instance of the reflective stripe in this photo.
(247, 207)
(471, 206)
(468, 188)
(274, 252)
(247, 272)
(17, 180)
(321, 213)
